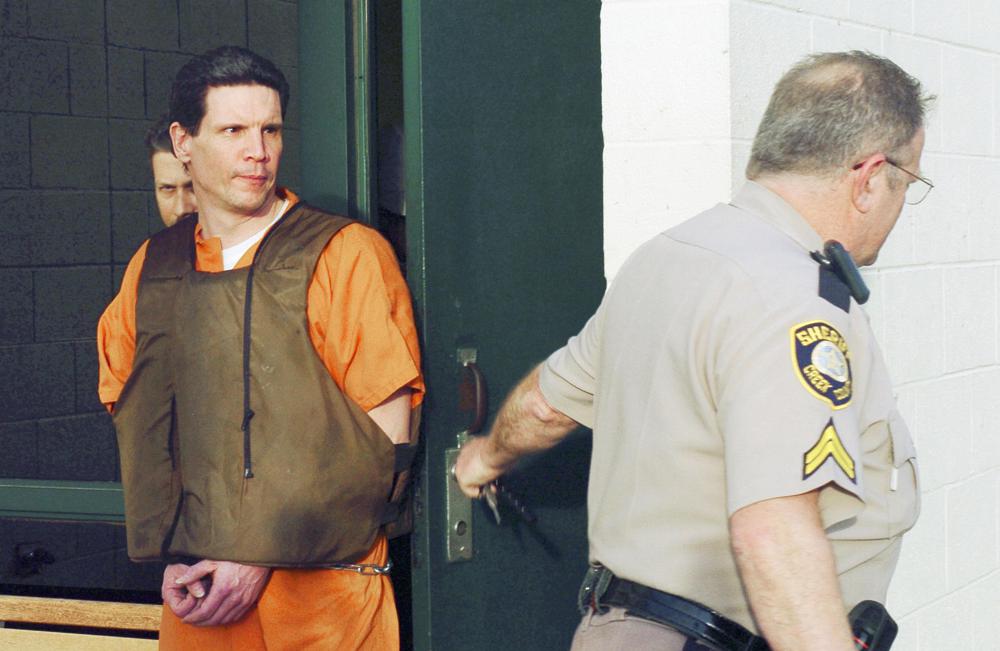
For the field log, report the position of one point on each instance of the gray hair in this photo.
(833, 109)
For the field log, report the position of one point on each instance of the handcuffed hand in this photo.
(234, 590)
(179, 597)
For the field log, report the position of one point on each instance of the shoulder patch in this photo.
(822, 362)
(829, 446)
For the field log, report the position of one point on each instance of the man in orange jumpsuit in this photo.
(227, 108)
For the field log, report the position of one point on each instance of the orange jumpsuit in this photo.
(361, 324)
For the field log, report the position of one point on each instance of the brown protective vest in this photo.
(235, 442)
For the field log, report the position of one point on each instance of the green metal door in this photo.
(503, 153)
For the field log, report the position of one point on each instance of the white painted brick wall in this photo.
(895, 15)
(972, 532)
(941, 222)
(985, 416)
(666, 112)
(914, 323)
(765, 41)
(984, 208)
(685, 84)
(945, 21)
(925, 553)
(969, 308)
(966, 97)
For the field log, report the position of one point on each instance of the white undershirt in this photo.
(232, 254)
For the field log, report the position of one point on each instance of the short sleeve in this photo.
(116, 333)
(568, 378)
(361, 318)
(785, 407)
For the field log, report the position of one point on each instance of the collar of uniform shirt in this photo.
(761, 202)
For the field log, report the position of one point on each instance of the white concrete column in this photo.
(666, 116)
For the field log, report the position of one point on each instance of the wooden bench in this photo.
(113, 616)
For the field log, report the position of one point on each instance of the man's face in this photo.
(880, 221)
(234, 159)
(173, 188)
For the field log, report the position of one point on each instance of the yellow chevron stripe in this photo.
(828, 445)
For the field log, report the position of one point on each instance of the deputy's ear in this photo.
(868, 175)
(181, 138)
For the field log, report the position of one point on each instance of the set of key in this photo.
(495, 491)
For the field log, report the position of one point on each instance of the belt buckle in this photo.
(595, 583)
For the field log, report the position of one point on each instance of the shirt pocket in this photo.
(904, 483)
(902, 443)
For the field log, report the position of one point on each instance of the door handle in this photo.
(472, 391)
(458, 507)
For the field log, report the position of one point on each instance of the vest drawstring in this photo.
(247, 313)
(247, 412)
(247, 468)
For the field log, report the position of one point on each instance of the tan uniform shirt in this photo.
(715, 375)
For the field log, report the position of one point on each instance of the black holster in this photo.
(872, 626)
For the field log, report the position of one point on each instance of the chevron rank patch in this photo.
(822, 362)
(828, 447)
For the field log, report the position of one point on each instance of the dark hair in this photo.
(228, 65)
(834, 108)
(158, 137)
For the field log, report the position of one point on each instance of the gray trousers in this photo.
(616, 631)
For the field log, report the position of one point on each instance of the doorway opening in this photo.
(390, 137)
(389, 217)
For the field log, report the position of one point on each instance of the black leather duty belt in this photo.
(683, 615)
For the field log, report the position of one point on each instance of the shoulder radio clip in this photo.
(836, 258)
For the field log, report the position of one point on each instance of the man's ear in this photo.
(181, 139)
(869, 175)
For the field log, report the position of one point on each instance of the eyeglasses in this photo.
(915, 192)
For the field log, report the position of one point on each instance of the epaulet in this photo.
(839, 278)
(832, 289)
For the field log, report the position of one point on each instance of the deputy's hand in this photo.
(234, 591)
(473, 469)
